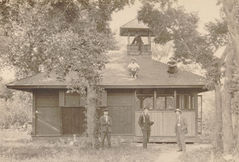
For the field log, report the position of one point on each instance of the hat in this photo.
(178, 110)
(106, 110)
(133, 59)
(146, 107)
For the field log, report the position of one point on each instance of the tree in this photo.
(69, 38)
(4, 92)
(169, 22)
(218, 36)
(226, 32)
(231, 13)
(175, 24)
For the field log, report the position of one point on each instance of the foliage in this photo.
(44, 35)
(4, 92)
(101, 10)
(218, 33)
(15, 111)
(173, 23)
(16, 146)
(69, 38)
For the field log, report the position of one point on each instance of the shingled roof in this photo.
(134, 26)
(152, 74)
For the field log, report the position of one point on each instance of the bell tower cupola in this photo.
(138, 45)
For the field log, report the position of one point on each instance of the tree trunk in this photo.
(236, 130)
(227, 122)
(217, 136)
(231, 10)
(227, 115)
(91, 114)
(228, 140)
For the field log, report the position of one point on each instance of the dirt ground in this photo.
(16, 146)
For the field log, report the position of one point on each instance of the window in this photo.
(164, 102)
(144, 100)
(185, 101)
(160, 103)
(169, 102)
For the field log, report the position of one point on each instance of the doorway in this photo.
(73, 120)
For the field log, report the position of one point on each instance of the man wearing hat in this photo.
(105, 128)
(180, 130)
(145, 124)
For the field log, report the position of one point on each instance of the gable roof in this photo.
(134, 26)
(152, 74)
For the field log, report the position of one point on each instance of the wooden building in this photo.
(57, 113)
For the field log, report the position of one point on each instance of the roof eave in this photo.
(29, 87)
(131, 32)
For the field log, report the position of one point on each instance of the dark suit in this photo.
(181, 130)
(105, 128)
(138, 41)
(145, 125)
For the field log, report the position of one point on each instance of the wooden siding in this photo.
(121, 119)
(76, 100)
(164, 123)
(73, 120)
(47, 112)
(122, 112)
(120, 99)
(47, 99)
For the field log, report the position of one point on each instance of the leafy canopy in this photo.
(174, 24)
(69, 37)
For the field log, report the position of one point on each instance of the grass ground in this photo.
(16, 146)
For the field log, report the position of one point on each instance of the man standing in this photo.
(180, 130)
(138, 41)
(105, 127)
(145, 124)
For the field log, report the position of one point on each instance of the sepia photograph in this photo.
(119, 80)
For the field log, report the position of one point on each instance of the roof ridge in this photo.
(128, 22)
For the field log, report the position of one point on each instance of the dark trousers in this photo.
(181, 139)
(133, 72)
(140, 47)
(106, 135)
(146, 135)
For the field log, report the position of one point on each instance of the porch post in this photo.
(128, 39)
(134, 111)
(149, 40)
(175, 98)
(196, 112)
(155, 98)
(34, 114)
(61, 104)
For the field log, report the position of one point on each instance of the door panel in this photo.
(48, 121)
(73, 120)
